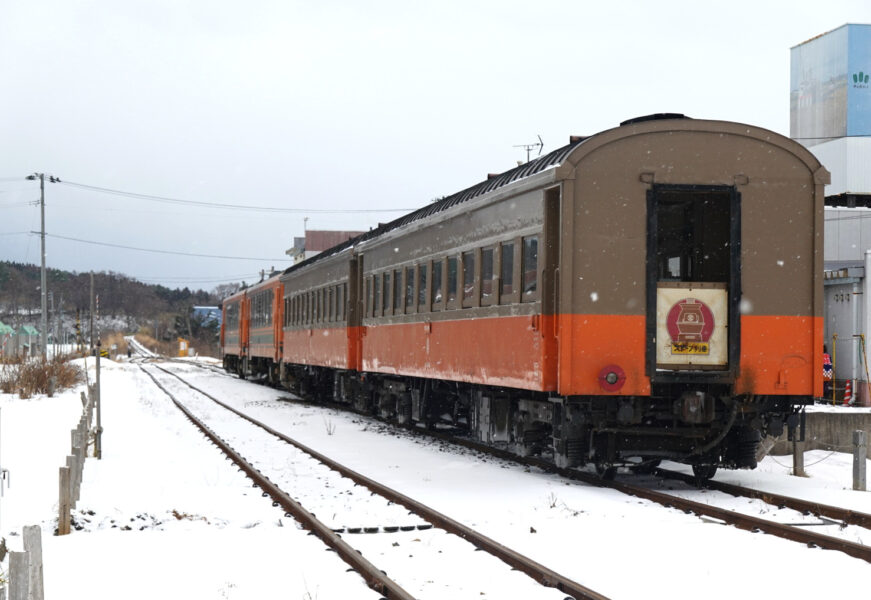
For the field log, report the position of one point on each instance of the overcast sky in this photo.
(341, 106)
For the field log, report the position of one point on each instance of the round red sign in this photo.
(690, 320)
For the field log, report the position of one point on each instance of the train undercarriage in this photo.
(703, 426)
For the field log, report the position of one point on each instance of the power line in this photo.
(72, 239)
(195, 280)
(167, 200)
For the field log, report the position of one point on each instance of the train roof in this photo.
(551, 160)
(493, 182)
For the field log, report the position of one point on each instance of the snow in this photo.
(163, 514)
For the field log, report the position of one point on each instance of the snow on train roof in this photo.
(533, 167)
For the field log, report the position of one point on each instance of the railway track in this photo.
(843, 516)
(730, 517)
(374, 577)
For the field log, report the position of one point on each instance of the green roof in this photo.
(5, 329)
(27, 330)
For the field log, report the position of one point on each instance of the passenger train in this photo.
(650, 292)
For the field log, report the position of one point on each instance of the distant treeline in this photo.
(163, 311)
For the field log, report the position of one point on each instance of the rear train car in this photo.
(652, 291)
(251, 332)
(234, 332)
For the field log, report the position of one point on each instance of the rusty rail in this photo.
(374, 578)
(845, 515)
(536, 571)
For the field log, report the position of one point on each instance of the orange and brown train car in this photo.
(251, 332)
(652, 291)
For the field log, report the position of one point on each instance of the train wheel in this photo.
(704, 472)
(606, 471)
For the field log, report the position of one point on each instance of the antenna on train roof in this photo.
(529, 147)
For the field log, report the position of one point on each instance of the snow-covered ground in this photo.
(164, 515)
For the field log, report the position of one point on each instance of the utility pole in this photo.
(53, 322)
(43, 286)
(91, 328)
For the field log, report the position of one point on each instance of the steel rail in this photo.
(536, 571)
(845, 515)
(373, 576)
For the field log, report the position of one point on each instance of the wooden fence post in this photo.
(19, 576)
(33, 547)
(63, 520)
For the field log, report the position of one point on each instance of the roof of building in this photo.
(28, 330)
(320, 240)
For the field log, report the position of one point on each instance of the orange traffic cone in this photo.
(848, 393)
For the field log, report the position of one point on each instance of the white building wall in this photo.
(847, 233)
(845, 318)
(849, 161)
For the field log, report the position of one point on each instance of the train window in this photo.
(468, 277)
(340, 302)
(233, 315)
(367, 310)
(386, 289)
(331, 304)
(452, 279)
(692, 236)
(436, 284)
(409, 289)
(376, 295)
(487, 276)
(529, 260)
(421, 287)
(397, 291)
(306, 308)
(506, 271)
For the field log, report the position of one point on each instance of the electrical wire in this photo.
(72, 239)
(230, 206)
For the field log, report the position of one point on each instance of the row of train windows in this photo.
(504, 273)
(261, 309)
(328, 304)
(479, 277)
